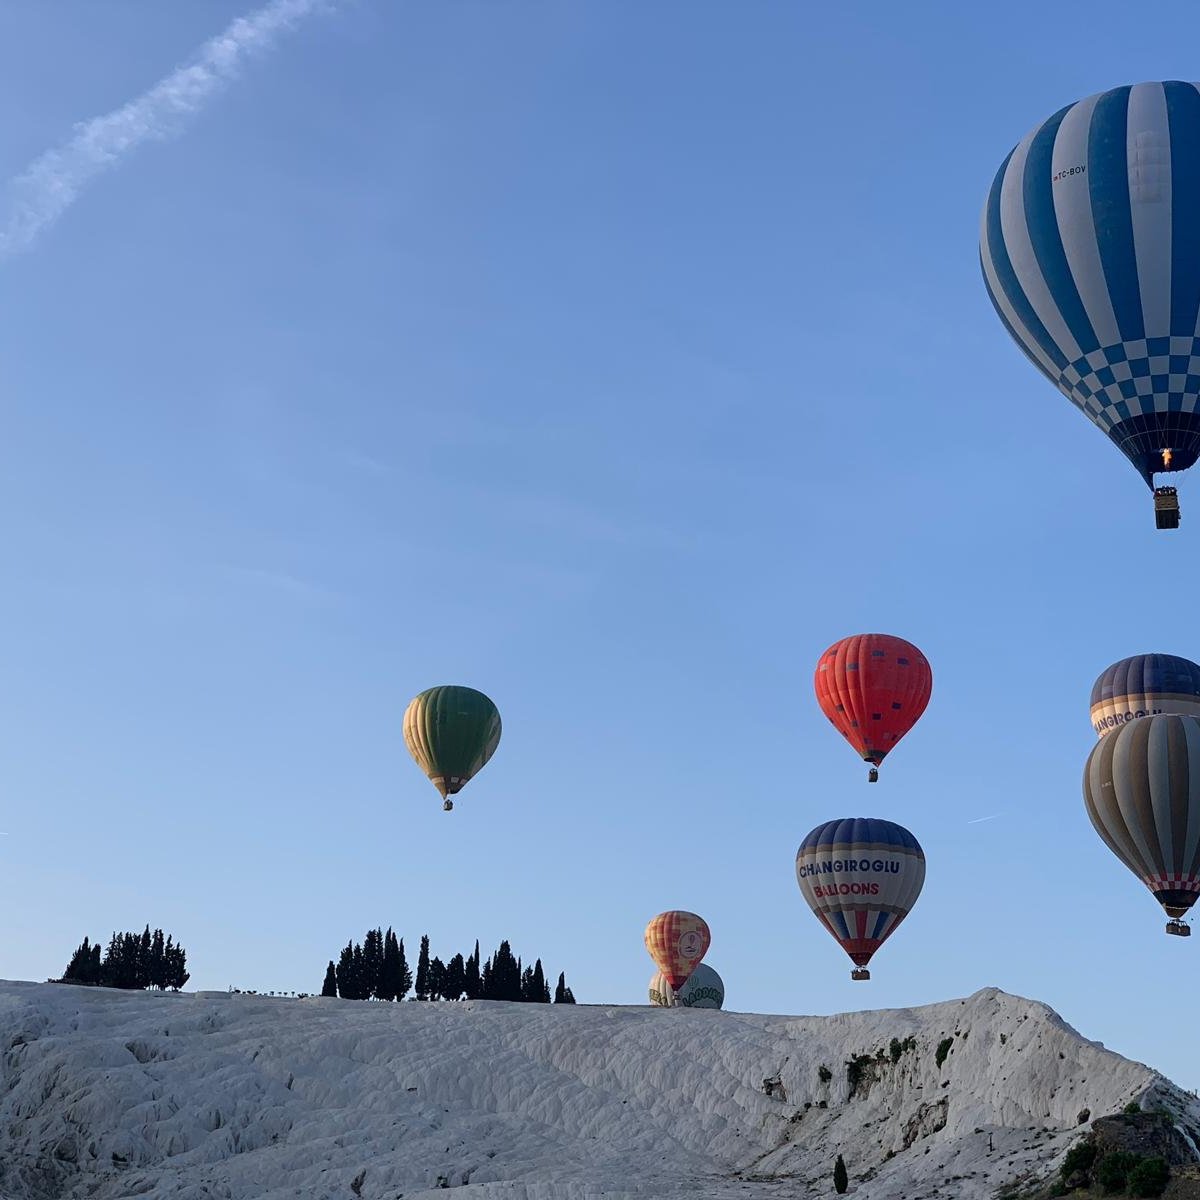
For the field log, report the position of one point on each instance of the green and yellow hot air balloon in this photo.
(451, 732)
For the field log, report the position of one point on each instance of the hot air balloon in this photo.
(873, 687)
(1141, 788)
(860, 876)
(677, 941)
(1142, 686)
(451, 732)
(702, 989)
(1091, 255)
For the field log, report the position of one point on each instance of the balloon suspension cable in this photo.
(447, 805)
(873, 775)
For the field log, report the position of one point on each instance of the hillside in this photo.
(107, 1094)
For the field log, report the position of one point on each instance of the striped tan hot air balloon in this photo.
(1141, 788)
(1142, 686)
(451, 732)
(677, 941)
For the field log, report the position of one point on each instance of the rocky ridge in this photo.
(106, 1094)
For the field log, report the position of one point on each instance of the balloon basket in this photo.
(1166, 508)
(447, 805)
(873, 775)
(860, 973)
(1179, 929)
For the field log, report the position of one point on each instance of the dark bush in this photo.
(856, 1069)
(942, 1050)
(1149, 1177)
(1079, 1158)
(1132, 1107)
(1111, 1172)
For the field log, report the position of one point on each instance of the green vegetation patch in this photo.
(942, 1050)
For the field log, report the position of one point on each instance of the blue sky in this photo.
(614, 359)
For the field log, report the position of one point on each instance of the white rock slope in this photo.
(106, 1094)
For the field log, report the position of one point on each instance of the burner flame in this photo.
(1167, 456)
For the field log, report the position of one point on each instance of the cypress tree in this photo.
(142, 975)
(181, 974)
(423, 969)
(506, 974)
(372, 963)
(131, 951)
(437, 978)
(176, 965)
(452, 984)
(388, 971)
(119, 969)
(329, 987)
(486, 984)
(561, 988)
(124, 963)
(405, 979)
(156, 966)
(539, 989)
(131, 954)
(472, 984)
(80, 965)
(527, 985)
(514, 976)
(108, 967)
(345, 972)
(360, 974)
(840, 1181)
(94, 970)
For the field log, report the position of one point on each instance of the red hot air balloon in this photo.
(677, 941)
(873, 687)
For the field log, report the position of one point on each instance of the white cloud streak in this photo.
(37, 197)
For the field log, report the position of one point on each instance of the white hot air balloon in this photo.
(703, 988)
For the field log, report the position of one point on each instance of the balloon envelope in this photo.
(677, 941)
(451, 732)
(703, 988)
(873, 688)
(1141, 788)
(1090, 251)
(860, 876)
(1143, 685)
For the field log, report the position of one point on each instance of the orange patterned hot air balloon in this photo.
(873, 687)
(677, 941)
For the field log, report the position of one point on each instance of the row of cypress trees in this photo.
(131, 961)
(377, 969)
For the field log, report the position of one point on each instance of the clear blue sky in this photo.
(612, 358)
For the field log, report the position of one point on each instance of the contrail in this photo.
(977, 820)
(37, 197)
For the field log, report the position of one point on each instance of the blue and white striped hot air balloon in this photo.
(860, 876)
(1090, 247)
